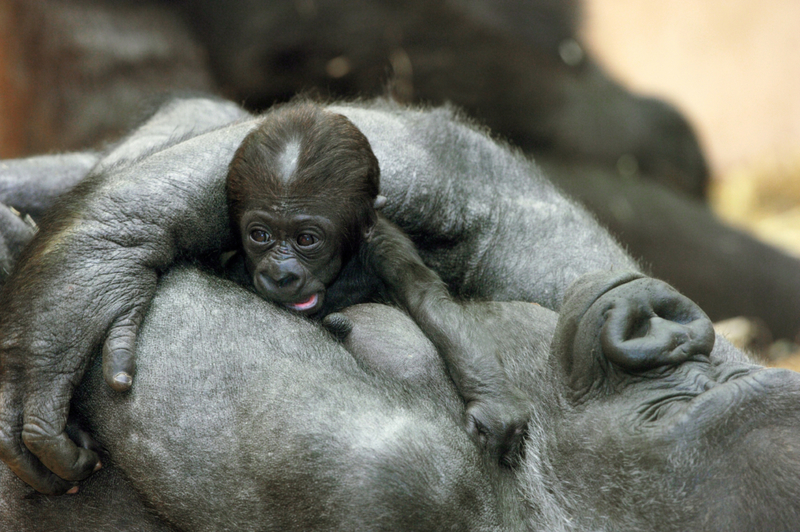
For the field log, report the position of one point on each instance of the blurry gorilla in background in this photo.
(516, 65)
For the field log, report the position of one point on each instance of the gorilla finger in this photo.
(339, 325)
(512, 447)
(82, 438)
(44, 435)
(30, 470)
(15, 454)
(476, 427)
(119, 364)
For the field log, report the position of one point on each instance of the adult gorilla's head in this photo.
(673, 423)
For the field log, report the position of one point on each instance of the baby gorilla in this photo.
(303, 196)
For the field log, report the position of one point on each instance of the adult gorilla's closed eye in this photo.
(482, 216)
(302, 192)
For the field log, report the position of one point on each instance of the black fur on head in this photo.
(335, 168)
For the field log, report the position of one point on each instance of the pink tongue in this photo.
(307, 304)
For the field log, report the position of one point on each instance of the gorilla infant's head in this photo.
(302, 194)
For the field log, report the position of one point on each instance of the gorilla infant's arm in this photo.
(497, 411)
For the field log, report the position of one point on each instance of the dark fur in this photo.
(249, 417)
(159, 196)
(337, 177)
(336, 166)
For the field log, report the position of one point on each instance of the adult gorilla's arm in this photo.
(90, 273)
(482, 215)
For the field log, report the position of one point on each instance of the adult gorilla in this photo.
(493, 228)
(232, 427)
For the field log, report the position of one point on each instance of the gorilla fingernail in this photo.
(122, 381)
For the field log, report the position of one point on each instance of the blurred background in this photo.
(676, 122)
(733, 67)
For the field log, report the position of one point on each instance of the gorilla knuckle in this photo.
(37, 436)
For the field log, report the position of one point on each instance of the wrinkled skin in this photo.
(288, 437)
(98, 256)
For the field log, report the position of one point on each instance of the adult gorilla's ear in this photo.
(625, 322)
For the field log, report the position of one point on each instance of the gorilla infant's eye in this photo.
(306, 240)
(257, 235)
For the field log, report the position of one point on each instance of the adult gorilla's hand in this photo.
(88, 276)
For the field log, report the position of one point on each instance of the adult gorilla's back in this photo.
(261, 436)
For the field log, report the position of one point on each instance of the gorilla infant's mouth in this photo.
(307, 305)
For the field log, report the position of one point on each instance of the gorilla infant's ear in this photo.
(380, 201)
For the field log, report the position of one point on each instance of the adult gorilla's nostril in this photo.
(649, 324)
(634, 322)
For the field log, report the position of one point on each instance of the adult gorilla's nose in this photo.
(625, 322)
(649, 324)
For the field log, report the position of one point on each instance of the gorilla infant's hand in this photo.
(498, 420)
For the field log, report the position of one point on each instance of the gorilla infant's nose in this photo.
(286, 280)
(284, 276)
(281, 280)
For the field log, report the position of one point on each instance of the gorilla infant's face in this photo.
(291, 256)
(302, 189)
